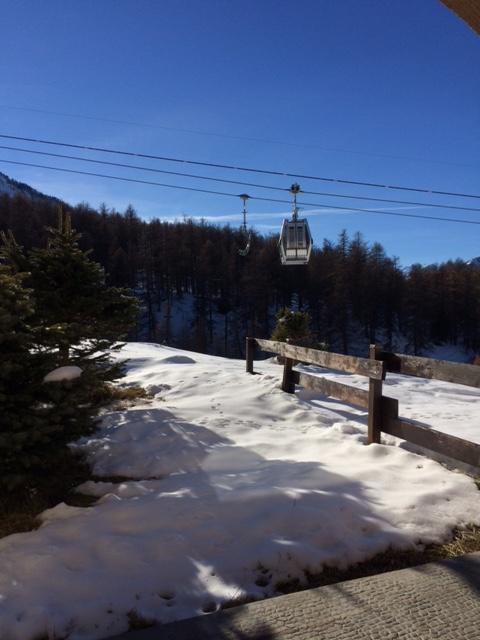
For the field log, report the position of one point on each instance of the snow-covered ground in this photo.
(446, 407)
(234, 486)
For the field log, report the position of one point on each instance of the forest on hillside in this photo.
(354, 293)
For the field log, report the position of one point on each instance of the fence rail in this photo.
(349, 364)
(344, 392)
(467, 374)
(383, 412)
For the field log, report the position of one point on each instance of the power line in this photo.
(215, 134)
(239, 182)
(238, 168)
(234, 195)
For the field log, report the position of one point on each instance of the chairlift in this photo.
(246, 236)
(295, 242)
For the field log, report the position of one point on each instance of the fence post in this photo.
(288, 382)
(250, 352)
(374, 401)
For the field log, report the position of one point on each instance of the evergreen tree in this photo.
(79, 315)
(38, 419)
(418, 308)
(294, 327)
(55, 310)
(352, 290)
(20, 373)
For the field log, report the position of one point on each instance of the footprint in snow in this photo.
(263, 581)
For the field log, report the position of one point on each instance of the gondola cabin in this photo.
(295, 242)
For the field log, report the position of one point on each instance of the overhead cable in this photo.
(239, 168)
(239, 182)
(216, 134)
(235, 195)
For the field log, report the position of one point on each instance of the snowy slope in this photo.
(235, 486)
(11, 187)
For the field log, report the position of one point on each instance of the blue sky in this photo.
(375, 90)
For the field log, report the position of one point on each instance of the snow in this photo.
(231, 485)
(63, 373)
(6, 187)
(446, 407)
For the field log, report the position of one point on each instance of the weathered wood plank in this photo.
(288, 382)
(374, 402)
(250, 353)
(422, 436)
(352, 395)
(350, 364)
(467, 374)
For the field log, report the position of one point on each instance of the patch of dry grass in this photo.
(137, 621)
(126, 396)
(19, 510)
(466, 540)
(18, 520)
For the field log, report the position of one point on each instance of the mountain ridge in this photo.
(12, 188)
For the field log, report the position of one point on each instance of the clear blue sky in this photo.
(375, 90)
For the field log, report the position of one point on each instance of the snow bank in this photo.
(235, 486)
(63, 373)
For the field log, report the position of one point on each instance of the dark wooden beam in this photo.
(250, 353)
(374, 402)
(443, 443)
(288, 382)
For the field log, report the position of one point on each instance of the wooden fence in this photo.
(383, 414)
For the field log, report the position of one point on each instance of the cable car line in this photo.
(237, 137)
(124, 179)
(239, 182)
(239, 168)
(234, 195)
